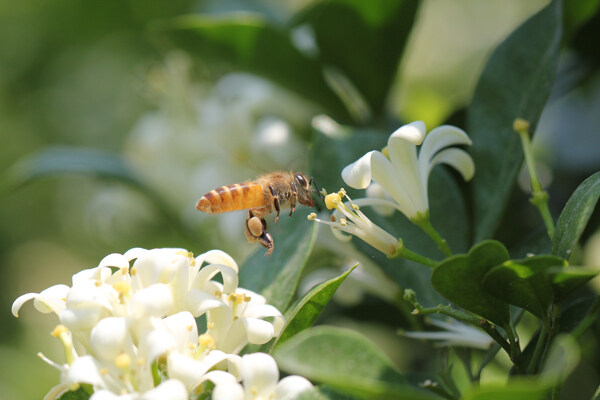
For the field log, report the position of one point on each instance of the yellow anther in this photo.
(122, 287)
(140, 362)
(343, 222)
(218, 293)
(342, 192)
(97, 283)
(125, 270)
(385, 152)
(189, 328)
(332, 200)
(324, 192)
(103, 371)
(232, 297)
(521, 125)
(206, 340)
(59, 330)
(247, 298)
(210, 325)
(123, 361)
(312, 216)
(133, 271)
(191, 346)
(354, 206)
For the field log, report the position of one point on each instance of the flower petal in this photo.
(230, 276)
(155, 300)
(260, 374)
(459, 159)
(358, 174)
(226, 386)
(414, 132)
(47, 301)
(85, 370)
(291, 386)
(386, 175)
(218, 257)
(171, 389)
(439, 138)
(198, 302)
(57, 391)
(109, 337)
(257, 330)
(114, 260)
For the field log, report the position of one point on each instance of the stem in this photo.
(588, 320)
(463, 316)
(403, 252)
(540, 346)
(424, 223)
(539, 197)
(596, 395)
(515, 348)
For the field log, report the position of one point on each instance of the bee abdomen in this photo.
(232, 197)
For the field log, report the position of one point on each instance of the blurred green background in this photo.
(93, 80)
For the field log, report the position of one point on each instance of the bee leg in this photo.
(255, 227)
(266, 240)
(275, 201)
(293, 203)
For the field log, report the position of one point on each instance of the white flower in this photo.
(404, 175)
(454, 333)
(356, 223)
(241, 321)
(260, 377)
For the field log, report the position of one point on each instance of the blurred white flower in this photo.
(402, 174)
(454, 333)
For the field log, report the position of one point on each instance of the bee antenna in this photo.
(313, 182)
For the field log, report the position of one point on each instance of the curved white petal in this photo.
(358, 174)
(134, 253)
(47, 301)
(218, 257)
(183, 328)
(82, 318)
(264, 311)
(385, 174)
(157, 343)
(459, 159)
(190, 371)
(198, 302)
(87, 293)
(230, 277)
(440, 138)
(260, 373)
(403, 156)
(291, 386)
(114, 260)
(171, 389)
(376, 191)
(257, 330)
(414, 132)
(109, 336)
(155, 300)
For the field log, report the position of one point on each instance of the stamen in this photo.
(332, 200)
(123, 361)
(312, 216)
(343, 222)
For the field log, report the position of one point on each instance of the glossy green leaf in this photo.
(346, 360)
(251, 43)
(367, 54)
(304, 314)
(575, 216)
(524, 283)
(277, 276)
(515, 83)
(460, 280)
(566, 280)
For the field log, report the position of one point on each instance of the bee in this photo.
(267, 193)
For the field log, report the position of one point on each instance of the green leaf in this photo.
(460, 280)
(515, 389)
(324, 392)
(83, 393)
(277, 276)
(562, 359)
(575, 216)
(305, 313)
(251, 43)
(566, 280)
(367, 54)
(515, 83)
(345, 360)
(524, 283)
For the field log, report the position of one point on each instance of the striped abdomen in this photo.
(239, 196)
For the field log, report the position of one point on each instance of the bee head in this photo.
(304, 189)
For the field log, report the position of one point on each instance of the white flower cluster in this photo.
(129, 329)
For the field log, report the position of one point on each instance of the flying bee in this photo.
(267, 193)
